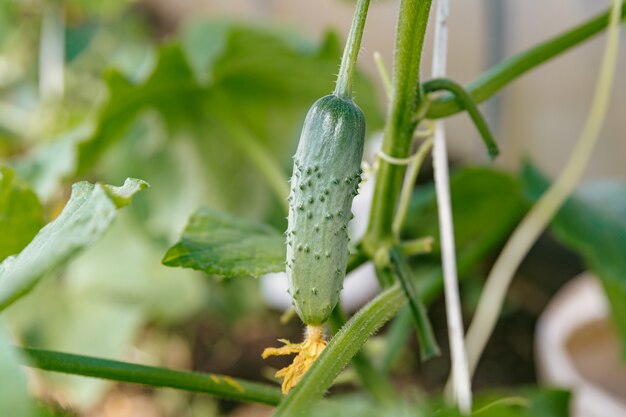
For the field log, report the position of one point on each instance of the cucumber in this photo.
(325, 179)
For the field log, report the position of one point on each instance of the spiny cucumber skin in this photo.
(325, 179)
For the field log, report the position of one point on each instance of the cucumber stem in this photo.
(343, 88)
(384, 74)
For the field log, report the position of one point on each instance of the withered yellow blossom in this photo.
(307, 352)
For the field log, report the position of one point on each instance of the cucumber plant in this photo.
(325, 179)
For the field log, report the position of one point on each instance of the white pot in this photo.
(577, 348)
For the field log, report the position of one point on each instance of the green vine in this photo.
(219, 385)
(464, 100)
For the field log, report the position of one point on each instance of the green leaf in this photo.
(20, 214)
(220, 244)
(593, 223)
(85, 218)
(14, 398)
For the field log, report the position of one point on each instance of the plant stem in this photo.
(409, 185)
(346, 343)
(428, 343)
(405, 99)
(373, 379)
(417, 246)
(384, 75)
(539, 216)
(466, 102)
(214, 384)
(356, 260)
(510, 69)
(343, 88)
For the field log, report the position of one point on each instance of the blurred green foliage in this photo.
(14, 397)
(593, 223)
(200, 117)
(87, 215)
(20, 213)
(527, 402)
(169, 113)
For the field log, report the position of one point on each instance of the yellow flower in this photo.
(307, 351)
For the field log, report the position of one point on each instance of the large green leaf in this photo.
(85, 218)
(14, 398)
(221, 244)
(20, 214)
(593, 223)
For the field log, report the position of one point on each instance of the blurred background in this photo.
(482, 33)
(174, 92)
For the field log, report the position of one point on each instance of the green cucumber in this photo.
(326, 176)
(325, 179)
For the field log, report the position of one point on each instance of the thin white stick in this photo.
(462, 389)
(539, 216)
(52, 52)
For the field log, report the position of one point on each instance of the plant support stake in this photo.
(461, 383)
